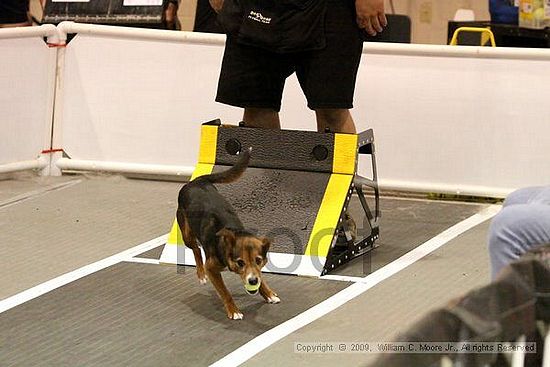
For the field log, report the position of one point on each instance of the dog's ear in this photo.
(266, 243)
(228, 241)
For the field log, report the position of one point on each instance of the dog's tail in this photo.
(232, 174)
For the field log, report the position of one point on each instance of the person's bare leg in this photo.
(337, 120)
(264, 118)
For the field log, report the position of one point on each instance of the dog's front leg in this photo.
(268, 294)
(213, 272)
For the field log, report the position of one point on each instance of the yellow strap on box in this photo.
(345, 153)
(328, 215)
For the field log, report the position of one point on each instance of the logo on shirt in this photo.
(258, 17)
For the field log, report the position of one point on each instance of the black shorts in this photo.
(13, 11)
(254, 77)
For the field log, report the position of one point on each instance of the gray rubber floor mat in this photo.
(390, 307)
(66, 229)
(405, 224)
(19, 186)
(146, 315)
(153, 254)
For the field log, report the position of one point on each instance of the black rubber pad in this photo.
(273, 148)
(146, 315)
(282, 205)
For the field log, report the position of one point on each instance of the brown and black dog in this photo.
(204, 216)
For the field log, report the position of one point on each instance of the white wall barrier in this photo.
(466, 120)
(27, 79)
(134, 100)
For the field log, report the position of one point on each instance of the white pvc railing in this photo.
(467, 120)
(148, 123)
(65, 28)
(39, 163)
(129, 168)
(371, 48)
(510, 53)
(46, 30)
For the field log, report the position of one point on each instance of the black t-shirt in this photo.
(278, 26)
(13, 11)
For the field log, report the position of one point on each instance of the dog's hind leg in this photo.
(191, 242)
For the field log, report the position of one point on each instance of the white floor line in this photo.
(67, 278)
(437, 201)
(142, 260)
(343, 278)
(340, 278)
(260, 343)
(36, 193)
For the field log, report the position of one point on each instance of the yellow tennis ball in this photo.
(252, 288)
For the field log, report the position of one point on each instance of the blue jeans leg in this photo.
(516, 230)
(535, 194)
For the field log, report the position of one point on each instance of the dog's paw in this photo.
(273, 299)
(233, 312)
(201, 275)
(236, 316)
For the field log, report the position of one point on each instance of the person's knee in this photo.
(335, 119)
(516, 224)
(521, 196)
(515, 230)
(502, 227)
(502, 241)
(332, 116)
(264, 118)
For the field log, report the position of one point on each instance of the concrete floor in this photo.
(391, 307)
(51, 226)
(48, 232)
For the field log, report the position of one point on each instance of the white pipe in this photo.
(24, 165)
(122, 167)
(380, 48)
(168, 170)
(412, 186)
(373, 48)
(67, 27)
(45, 30)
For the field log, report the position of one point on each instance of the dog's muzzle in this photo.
(252, 286)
